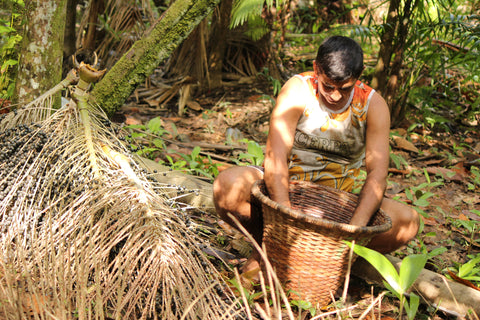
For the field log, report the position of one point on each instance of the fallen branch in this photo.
(194, 192)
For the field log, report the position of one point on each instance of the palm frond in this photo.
(86, 233)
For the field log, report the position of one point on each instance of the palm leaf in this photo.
(85, 231)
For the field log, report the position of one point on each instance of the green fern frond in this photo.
(251, 11)
(257, 28)
(243, 10)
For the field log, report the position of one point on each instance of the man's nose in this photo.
(336, 95)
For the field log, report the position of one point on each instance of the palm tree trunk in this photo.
(147, 53)
(96, 8)
(379, 80)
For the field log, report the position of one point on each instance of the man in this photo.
(324, 125)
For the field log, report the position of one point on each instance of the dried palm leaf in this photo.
(85, 231)
(125, 22)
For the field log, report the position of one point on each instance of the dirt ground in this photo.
(437, 165)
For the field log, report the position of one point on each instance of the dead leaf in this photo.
(394, 188)
(399, 132)
(474, 199)
(471, 215)
(430, 221)
(477, 147)
(448, 174)
(460, 169)
(462, 281)
(243, 247)
(132, 121)
(434, 161)
(194, 105)
(404, 144)
(398, 171)
(256, 97)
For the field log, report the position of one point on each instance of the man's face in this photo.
(334, 94)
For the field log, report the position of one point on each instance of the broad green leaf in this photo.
(155, 126)
(392, 290)
(159, 143)
(412, 307)
(5, 29)
(410, 269)
(421, 202)
(381, 264)
(437, 251)
(135, 126)
(467, 268)
(8, 63)
(138, 135)
(195, 152)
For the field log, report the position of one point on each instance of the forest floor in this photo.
(434, 171)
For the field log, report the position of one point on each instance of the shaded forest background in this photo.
(414, 49)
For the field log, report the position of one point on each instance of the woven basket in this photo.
(305, 243)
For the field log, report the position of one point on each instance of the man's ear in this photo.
(315, 67)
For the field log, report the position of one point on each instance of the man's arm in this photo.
(376, 161)
(283, 122)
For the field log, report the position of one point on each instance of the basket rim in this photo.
(320, 222)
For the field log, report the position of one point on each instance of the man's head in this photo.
(340, 58)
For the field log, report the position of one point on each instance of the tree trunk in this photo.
(41, 53)
(96, 8)
(388, 78)
(147, 53)
(394, 96)
(218, 43)
(379, 80)
(70, 34)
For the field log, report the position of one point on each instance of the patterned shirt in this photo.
(329, 146)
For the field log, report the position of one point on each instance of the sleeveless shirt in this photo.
(329, 146)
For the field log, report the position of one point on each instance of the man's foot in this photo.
(251, 269)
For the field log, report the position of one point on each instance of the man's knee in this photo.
(412, 222)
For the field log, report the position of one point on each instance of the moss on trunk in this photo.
(147, 53)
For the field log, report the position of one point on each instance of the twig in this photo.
(370, 307)
(200, 296)
(326, 314)
(268, 266)
(349, 269)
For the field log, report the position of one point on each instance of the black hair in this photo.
(340, 58)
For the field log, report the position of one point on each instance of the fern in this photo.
(247, 10)
(244, 10)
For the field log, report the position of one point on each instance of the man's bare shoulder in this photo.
(294, 93)
(378, 103)
(378, 110)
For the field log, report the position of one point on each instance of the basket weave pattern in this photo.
(305, 243)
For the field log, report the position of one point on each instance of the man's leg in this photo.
(405, 224)
(232, 194)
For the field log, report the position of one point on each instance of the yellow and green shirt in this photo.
(329, 146)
